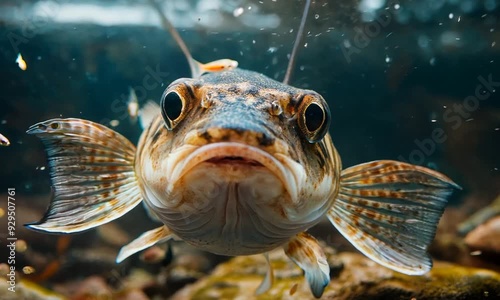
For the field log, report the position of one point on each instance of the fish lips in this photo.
(238, 153)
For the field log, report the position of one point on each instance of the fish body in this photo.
(228, 155)
(236, 163)
(219, 65)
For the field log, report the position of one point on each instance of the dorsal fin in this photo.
(300, 32)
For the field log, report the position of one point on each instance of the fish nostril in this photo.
(206, 135)
(265, 140)
(217, 134)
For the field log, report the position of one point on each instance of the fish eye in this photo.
(172, 105)
(314, 118)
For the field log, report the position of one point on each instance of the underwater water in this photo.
(413, 81)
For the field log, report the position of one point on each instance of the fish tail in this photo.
(92, 172)
(389, 211)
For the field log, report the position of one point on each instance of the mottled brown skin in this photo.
(241, 101)
(249, 108)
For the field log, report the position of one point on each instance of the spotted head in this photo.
(237, 163)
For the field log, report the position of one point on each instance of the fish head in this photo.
(238, 163)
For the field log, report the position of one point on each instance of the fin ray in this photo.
(268, 281)
(145, 240)
(305, 251)
(389, 211)
(92, 172)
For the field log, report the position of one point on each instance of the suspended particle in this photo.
(238, 12)
(28, 270)
(21, 246)
(21, 63)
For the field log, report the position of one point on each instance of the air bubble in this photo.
(238, 12)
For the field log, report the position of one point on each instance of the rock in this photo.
(92, 287)
(481, 217)
(360, 278)
(96, 287)
(113, 234)
(485, 237)
(132, 295)
(25, 289)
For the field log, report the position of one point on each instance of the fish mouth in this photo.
(234, 160)
(233, 153)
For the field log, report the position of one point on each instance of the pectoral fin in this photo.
(145, 240)
(93, 177)
(389, 211)
(267, 283)
(305, 251)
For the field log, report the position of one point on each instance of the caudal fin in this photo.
(389, 211)
(92, 170)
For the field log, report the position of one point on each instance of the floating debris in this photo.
(28, 270)
(21, 246)
(133, 105)
(114, 123)
(21, 63)
(238, 12)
